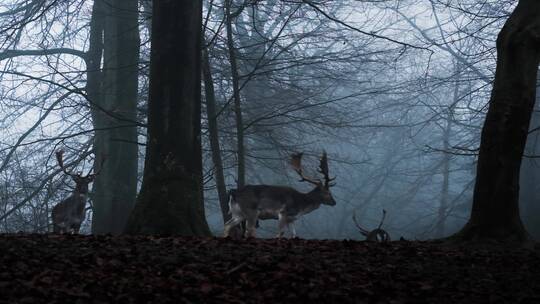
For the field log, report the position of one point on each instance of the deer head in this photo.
(81, 181)
(322, 187)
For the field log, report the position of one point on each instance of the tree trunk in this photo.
(443, 206)
(171, 197)
(530, 174)
(445, 191)
(236, 97)
(93, 59)
(115, 189)
(495, 210)
(213, 134)
(94, 75)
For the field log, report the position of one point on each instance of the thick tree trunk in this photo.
(495, 210)
(213, 134)
(236, 97)
(171, 197)
(115, 189)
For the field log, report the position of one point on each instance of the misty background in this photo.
(394, 91)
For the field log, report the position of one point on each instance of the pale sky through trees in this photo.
(387, 88)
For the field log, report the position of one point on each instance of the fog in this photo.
(395, 92)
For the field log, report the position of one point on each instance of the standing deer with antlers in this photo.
(285, 204)
(68, 215)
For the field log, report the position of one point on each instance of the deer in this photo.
(262, 202)
(378, 234)
(68, 215)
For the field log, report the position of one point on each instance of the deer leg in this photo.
(250, 226)
(236, 220)
(282, 223)
(76, 228)
(60, 228)
(293, 229)
(233, 222)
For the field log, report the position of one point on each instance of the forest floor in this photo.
(87, 269)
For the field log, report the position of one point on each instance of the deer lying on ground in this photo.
(68, 215)
(285, 204)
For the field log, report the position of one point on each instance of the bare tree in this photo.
(495, 211)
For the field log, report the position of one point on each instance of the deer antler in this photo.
(59, 159)
(323, 168)
(296, 163)
(362, 230)
(382, 219)
(377, 235)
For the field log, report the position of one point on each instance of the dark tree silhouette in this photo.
(495, 211)
(113, 91)
(171, 201)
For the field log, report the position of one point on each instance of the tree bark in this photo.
(115, 189)
(241, 176)
(495, 210)
(93, 59)
(171, 197)
(213, 134)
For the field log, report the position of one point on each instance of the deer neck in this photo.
(312, 200)
(79, 194)
(79, 201)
